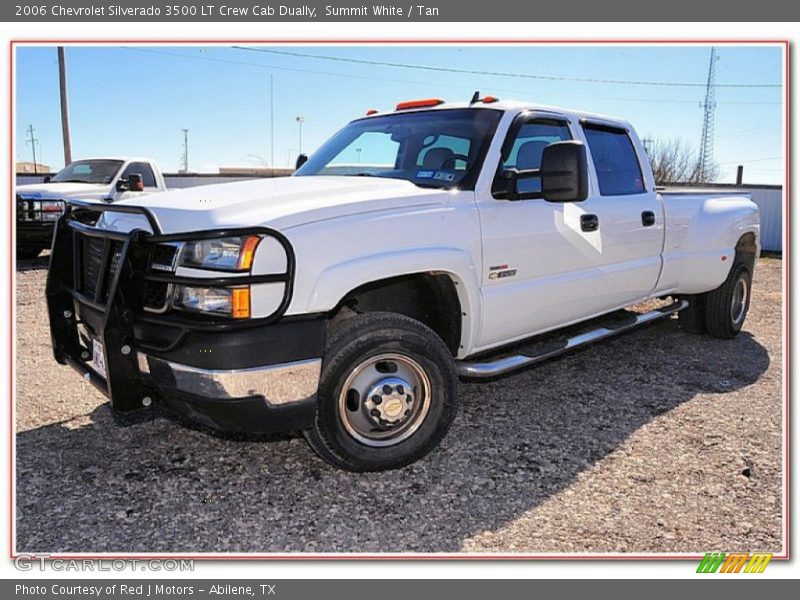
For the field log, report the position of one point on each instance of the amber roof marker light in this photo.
(424, 103)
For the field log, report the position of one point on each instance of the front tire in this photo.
(727, 306)
(387, 393)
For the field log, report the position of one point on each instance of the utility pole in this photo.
(300, 120)
(185, 150)
(271, 122)
(33, 141)
(706, 158)
(62, 83)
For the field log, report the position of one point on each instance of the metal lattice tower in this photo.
(705, 160)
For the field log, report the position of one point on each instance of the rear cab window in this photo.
(615, 161)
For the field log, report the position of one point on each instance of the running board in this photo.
(506, 364)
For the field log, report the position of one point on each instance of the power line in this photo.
(670, 101)
(752, 160)
(746, 131)
(502, 73)
(406, 81)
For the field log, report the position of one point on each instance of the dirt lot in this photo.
(657, 441)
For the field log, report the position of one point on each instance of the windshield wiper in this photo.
(69, 181)
(432, 186)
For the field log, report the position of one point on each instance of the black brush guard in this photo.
(114, 308)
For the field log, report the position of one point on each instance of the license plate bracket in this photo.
(99, 358)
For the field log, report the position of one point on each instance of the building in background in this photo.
(29, 167)
(257, 171)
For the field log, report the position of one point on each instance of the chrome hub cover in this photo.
(389, 402)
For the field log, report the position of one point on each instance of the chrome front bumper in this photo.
(280, 385)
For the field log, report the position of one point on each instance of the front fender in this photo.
(336, 281)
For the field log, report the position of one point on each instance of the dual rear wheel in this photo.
(720, 312)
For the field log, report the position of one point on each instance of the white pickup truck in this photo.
(414, 247)
(39, 205)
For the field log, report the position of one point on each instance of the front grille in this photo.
(116, 255)
(92, 266)
(31, 211)
(164, 256)
(91, 263)
(23, 209)
(155, 295)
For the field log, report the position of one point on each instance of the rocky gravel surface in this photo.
(655, 442)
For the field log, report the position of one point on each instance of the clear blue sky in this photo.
(136, 100)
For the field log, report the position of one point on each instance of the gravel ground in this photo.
(657, 441)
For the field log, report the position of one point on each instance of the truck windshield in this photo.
(436, 148)
(88, 171)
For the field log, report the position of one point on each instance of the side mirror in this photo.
(506, 184)
(565, 172)
(46, 179)
(301, 160)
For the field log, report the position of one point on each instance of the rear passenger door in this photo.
(630, 217)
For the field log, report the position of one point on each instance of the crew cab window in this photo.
(143, 169)
(615, 161)
(523, 151)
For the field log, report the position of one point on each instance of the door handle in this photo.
(648, 218)
(589, 223)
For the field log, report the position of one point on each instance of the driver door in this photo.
(542, 266)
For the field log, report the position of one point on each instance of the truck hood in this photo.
(64, 191)
(281, 202)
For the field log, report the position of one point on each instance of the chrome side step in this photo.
(506, 364)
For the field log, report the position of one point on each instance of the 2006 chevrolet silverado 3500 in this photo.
(410, 249)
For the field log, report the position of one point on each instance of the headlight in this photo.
(221, 254)
(231, 302)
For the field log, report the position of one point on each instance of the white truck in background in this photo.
(107, 179)
(414, 247)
